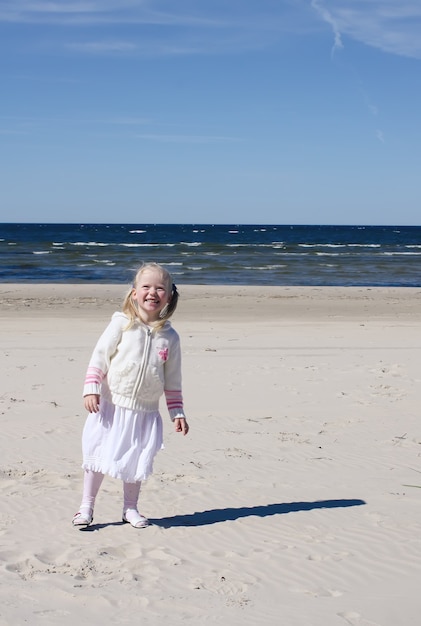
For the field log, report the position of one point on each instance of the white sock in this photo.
(131, 493)
(91, 483)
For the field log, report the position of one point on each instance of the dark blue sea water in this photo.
(213, 254)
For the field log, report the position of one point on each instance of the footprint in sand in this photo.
(337, 556)
(233, 589)
(319, 592)
(355, 619)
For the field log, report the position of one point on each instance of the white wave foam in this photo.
(89, 243)
(401, 253)
(104, 262)
(265, 267)
(146, 245)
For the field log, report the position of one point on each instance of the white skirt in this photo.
(121, 442)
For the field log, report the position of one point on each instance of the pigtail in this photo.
(169, 308)
(129, 308)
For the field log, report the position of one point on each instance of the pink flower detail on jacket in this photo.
(163, 354)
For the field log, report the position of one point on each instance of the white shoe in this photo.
(83, 518)
(135, 519)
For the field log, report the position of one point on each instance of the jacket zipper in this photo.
(141, 373)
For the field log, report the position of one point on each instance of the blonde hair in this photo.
(130, 308)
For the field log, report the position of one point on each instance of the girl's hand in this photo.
(91, 403)
(181, 426)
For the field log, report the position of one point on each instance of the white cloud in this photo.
(192, 139)
(103, 47)
(129, 121)
(193, 27)
(392, 26)
(327, 17)
(159, 12)
(187, 45)
(169, 28)
(28, 11)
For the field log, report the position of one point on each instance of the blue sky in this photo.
(223, 111)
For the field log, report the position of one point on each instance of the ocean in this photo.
(210, 254)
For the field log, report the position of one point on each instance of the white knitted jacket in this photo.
(133, 368)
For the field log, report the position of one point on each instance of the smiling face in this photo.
(151, 293)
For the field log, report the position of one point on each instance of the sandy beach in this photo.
(294, 500)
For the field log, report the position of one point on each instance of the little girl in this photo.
(136, 360)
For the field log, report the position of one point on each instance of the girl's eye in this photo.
(147, 287)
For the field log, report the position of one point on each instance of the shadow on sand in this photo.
(213, 516)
